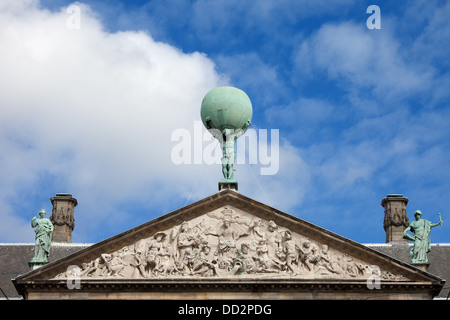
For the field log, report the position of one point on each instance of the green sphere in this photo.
(226, 108)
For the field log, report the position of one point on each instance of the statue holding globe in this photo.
(227, 112)
(229, 137)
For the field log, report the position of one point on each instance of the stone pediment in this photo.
(223, 239)
(225, 243)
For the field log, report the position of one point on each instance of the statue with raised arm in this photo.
(43, 238)
(421, 229)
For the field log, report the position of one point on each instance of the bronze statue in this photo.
(421, 229)
(43, 238)
(226, 113)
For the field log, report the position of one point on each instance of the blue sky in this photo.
(361, 113)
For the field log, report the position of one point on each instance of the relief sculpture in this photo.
(223, 243)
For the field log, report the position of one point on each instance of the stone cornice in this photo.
(221, 285)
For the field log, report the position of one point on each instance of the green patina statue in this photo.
(421, 229)
(43, 238)
(229, 137)
(226, 112)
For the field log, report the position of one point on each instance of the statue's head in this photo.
(287, 235)
(272, 226)
(42, 213)
(418, 214)
(185, 226)
(160, 236)
(226, 222)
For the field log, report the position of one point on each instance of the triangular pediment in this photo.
(231, 237)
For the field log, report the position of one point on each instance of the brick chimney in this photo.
(62, 217)
(395, 217)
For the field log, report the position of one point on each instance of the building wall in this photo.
(287, 295)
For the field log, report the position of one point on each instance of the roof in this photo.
(438, 258)
(393, 258)
(14, 258)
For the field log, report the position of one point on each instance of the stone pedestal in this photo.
(422, 266)
(36, 265)
(231, 185)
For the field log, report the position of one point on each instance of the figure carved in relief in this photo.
(308, 255)
(87, 269)
(166, 261)
(185, 243)
(245, 261)
(153, 250)
(140, 249)
(264, 263)
(274, 239)
(326, 263)
(129, 262)
(291, 251)
(113, 263)
(226, 237)
(228, 232)
(350, 267)
(225, 244)
(158, 257)
(203, 265)
(256, 231)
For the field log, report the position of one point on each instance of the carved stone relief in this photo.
(396, 217)
(227, 243)
(62, 216)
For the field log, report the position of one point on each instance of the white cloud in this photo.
(91, 110)
(284, 191)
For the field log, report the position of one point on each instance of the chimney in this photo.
(62, 217)
(395, 217)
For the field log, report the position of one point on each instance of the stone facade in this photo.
(227, 291)
(227, 243)
(228, 246)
